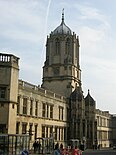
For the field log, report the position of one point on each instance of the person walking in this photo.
(35, 146)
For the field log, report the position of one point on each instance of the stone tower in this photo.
(61, 70)
(8, 92)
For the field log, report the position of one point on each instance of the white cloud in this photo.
(21, 20)
(91, 37)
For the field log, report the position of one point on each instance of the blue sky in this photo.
(25, 24)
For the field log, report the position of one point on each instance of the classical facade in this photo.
(58, 108)
(104, 128)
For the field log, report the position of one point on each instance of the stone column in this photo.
(20, 128)
(40, 130)
(56, 133)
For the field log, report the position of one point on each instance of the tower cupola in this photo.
(62, 28)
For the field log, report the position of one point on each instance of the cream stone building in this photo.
(104, 128)
(58, 107)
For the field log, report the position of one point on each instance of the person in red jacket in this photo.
(75, 151)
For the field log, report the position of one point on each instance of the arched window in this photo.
(67, 46)
(57, 46)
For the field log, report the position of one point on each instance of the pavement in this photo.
(103, 149)
(32, 153)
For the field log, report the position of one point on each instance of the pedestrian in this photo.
(99, 147)
(75, 151)
(35, 146)
(38, 147)
(71, 150)
(57, 150)
(61, 147)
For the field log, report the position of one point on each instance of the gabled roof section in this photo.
(77, 94)
(89, 99)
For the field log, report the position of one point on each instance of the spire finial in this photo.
(88, 91)
(63, 15)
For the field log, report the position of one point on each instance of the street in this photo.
(99, 152)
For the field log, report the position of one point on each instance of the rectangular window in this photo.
(2, 92)
(62, 113)
(46, 132)
(24, 128)
(43, 131)
(43, 110)
(35, 131)
(36, 108)
(24, 105)
(51, 111)
(13, 106)
(18, 104)
(47, 110)
(98, 120)
(30, 131)
(61, 133)
(88, 131)
(51, 130)
(55, 136)
(17, 127)
(2, 105)
(3, 128)
(31, 107)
